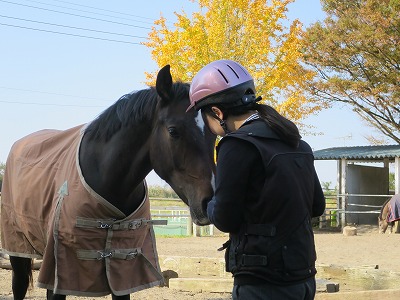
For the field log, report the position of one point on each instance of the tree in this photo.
(161, 192)
(251, 32)
(391, 181)
(356, 53)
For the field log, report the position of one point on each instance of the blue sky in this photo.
(55, 80)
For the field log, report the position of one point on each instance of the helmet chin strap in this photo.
(224, 127)
(221, 122)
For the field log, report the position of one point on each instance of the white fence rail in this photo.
(343, 207)
(179, 219)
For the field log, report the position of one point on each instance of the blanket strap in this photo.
(125, 254)
(116, 225)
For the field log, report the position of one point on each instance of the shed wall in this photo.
(365, 180)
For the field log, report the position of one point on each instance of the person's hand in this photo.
(210, 210)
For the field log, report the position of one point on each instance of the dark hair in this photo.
(283, 127)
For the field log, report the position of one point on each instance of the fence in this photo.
(338, 206)
(177, 217)
(179, 222)
(329, 217)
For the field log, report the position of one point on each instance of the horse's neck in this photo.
(385, 210)
(117, 168)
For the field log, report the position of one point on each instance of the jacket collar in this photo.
(256, 127)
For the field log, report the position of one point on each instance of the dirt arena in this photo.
(333, 248)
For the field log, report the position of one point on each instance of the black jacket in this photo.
(266, 194)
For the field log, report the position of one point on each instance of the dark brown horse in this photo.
(143, 131)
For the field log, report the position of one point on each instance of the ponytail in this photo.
(283, 127)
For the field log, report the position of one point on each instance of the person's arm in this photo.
(235, 160)
(318, 207)
(210, 210)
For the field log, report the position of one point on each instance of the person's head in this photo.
(222, 82)
(224, 90)
(221, 88)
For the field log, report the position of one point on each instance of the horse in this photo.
(142, 131)
(389, 214)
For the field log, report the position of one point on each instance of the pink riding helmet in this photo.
(221, 82)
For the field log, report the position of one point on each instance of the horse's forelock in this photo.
(180, 90)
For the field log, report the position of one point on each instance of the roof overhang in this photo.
(360, 153)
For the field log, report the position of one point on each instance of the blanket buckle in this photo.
(135, 224)
(103, 225)
(132, 254)
(103, 255)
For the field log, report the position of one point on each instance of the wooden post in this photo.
(397, 175)
(339, 188)
(189, 226)
(342, 191)
(397, 185)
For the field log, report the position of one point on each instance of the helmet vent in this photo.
(222, 74)
(237, 76)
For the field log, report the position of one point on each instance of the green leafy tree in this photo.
(326, 185)
(161, 192)
(356, 53)
(391, 181)
(253, 33)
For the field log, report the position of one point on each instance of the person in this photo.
(266, 189)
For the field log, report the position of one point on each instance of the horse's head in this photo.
(182, 148)
(383, 224)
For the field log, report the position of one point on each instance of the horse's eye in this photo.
(173, 132)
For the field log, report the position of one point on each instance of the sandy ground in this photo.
(367, 248)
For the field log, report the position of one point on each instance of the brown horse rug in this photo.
(394, 209)
(89, 247)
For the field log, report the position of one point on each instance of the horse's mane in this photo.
(383, 207)
(129, 110)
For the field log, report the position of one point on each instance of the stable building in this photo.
(363, 180)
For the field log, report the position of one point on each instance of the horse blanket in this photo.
(394, 209)
(88, 246)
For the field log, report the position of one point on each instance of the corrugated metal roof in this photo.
(372, 153)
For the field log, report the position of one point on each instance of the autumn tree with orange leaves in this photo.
(254, 33)
(356, 54)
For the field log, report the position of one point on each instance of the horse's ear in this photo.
(164, 83)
